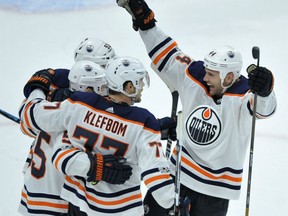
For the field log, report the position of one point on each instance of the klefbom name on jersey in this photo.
(203, 125)
(105, 123)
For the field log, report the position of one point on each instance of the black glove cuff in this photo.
(145, 23)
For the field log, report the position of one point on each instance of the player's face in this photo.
(213, 80)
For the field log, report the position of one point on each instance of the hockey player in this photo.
(217, 106)
(109, 125)
(42, 182)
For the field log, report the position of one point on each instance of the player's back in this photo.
(104, 127)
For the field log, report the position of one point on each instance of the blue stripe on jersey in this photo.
(163, 184)
(20, 110)
(205, 181)
(148, 172)
(249, 108)
(32, 115)
(103, 210)
(167, 57)
(32, 132)
(222, 170)
(42, 195)
(159, 46)
(258, 116)
(38, 211)
(116, 194)
(60, 79)
(55, 154)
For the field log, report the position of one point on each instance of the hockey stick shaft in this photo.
(10, 116)
(178, 164)
(175, 96)
(256, 55)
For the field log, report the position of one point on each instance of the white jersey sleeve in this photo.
(70, 159)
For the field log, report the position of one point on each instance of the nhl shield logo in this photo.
(203, 125)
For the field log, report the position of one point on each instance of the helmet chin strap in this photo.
(225, 87)
(131, 96)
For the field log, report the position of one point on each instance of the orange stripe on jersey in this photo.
(207, 174)
(164, 52)
(251, 103)
(155, 178)
(26, 114)
(108, 203)
(25, 131)
(151, 130)
(41, 203)
(237, 95)
(62, 155)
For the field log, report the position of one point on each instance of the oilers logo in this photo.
(203, 125)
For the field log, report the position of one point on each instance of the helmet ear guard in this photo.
(224, 59)
(95, 50)
(84, 74)
(122, 69)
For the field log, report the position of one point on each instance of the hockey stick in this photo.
(175, 96)
(10, 116)
(256, 55)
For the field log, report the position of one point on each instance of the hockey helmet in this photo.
(84, 74)
(224, 59)
(122, 69)
(95, 50)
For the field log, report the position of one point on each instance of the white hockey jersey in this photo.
(96, 124)
(215, 135)
(42, 181)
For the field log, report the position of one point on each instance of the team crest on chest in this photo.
(203, 125)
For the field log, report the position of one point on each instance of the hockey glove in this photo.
(260, 80)
(168, 128)
(143, 16)
(59, 94)
(41, 79)
(108, 168)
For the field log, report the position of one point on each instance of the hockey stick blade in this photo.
(10, 116)
(256, 54)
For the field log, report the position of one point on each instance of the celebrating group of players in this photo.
(93, 147)
(108, 148)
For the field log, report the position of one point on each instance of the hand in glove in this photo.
(143, 16)
(59, 94)
(42, 79)
(260, 80)
(168, 128)
(108, 168)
